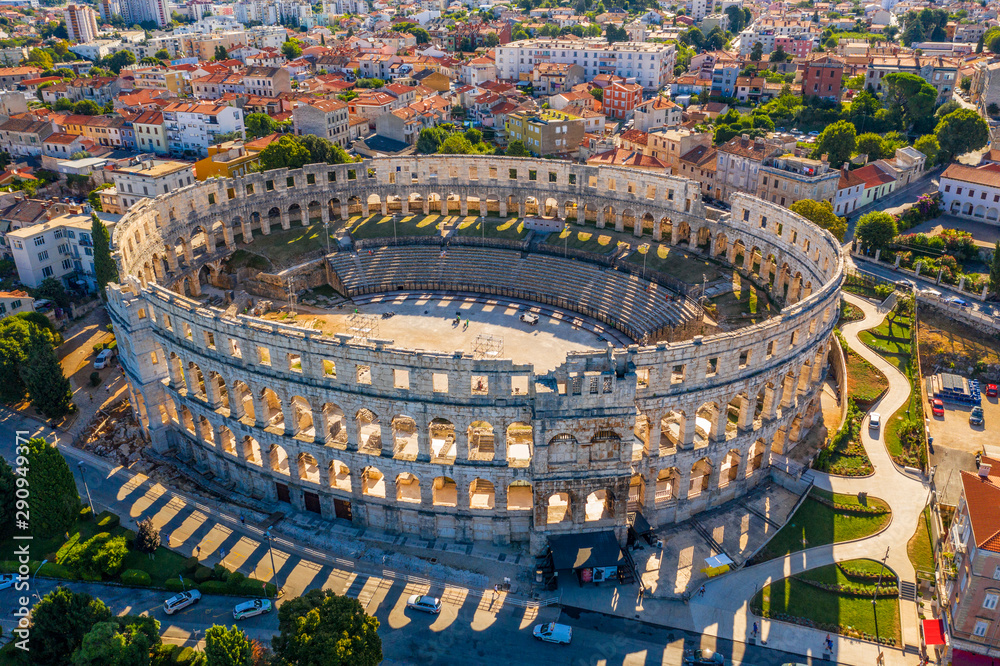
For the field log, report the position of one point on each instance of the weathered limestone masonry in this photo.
(446, 445)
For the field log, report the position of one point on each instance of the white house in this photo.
(60, 248)
(971, 192)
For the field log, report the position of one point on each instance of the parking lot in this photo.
(956, 443)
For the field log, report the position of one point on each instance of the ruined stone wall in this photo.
(448, 445)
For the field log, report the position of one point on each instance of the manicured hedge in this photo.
(174, 584)
(202, 574)
(136, 577)
(108, 521)
(51, 569)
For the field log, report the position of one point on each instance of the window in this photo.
(43, 255)
(47, 271)
(996, 573)
(981, 627)
(39, 240)
(990, 601)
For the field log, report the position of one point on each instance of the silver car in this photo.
(181, 601)
(424, 603)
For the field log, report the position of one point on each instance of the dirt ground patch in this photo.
(948, 344)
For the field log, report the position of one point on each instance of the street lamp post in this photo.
(83, 475)
(270, 549)
(34, 589)
(394, 240)
(326, 230)
(880, 659)
(645, 252)
(482, 223)
(566, 241)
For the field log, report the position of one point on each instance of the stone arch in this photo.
(550, 207)
(251, 451)
(667, 484)
(443, 442)
(407, 488)
(369, 431)
(683, 233)
(187, 420)
(701, 472)
(294, 214)
(314, 213)
(558, 508)
(336, 425)
(520, 444)
(636, 492)
(481, 441)
(308, 468)
(227, 441)
(445, 492)
(520, 496)
(672, 429)
(243, 400)
(302, 417)
(271, 404)
(482, 494)
(729, 468)
(278, 460)
(599, 505)
(196, 380)
(372, 482)
(404, 437)
(340, 476)
(563, 449)
(755, 456)
(207, 431)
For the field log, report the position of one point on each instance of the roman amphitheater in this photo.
(626, 396)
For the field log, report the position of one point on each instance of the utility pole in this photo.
(880, 659)
(291, 295)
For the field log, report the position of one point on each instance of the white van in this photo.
(553, 633)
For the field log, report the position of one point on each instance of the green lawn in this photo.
(864, 381)
(283, 247)
(832, 611)
(598, 241)
(381, 226)
(509, 229)
(676, 263)
(920, 549)
(843, 454)
(891, 339)
(817, 524)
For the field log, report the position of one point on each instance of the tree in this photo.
(995, 270)
(516, 149)
(960, 132)
(992, 109)
(876, 230)
(430, 139)
(59, 623)
(227, 647)
(259, 125)
(321, 628)
(456, 144)
(778, 55)
(147, 536)
(821, 214)
(872, 145)
(910, 98)
(716, 39)
(116, 61)
(8, 487)
(162, 54)
(492, 40)
(48, 388)
(221, 53)
(105, 268)
(423, 37)
(55, 502)
(122, 641)
(946, 108)
(615, 34)
(979, 45)
(40, 58)
(694, 37)
(286, 152)
(837, 141)
(929, 146)
(891, 32)
(291, 49)
(914, 32)
(757, 52)
(992, 40)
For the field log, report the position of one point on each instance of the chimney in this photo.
(984, 471)
(824, 158)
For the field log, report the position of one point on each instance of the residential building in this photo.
(968, 579)
(649, 64)
(785, 179)
(266, 81)
(620, 99)
(60, 248)
(160, 78)
(16, 212)
(725, 72)
(327, 118)
(229, 159)
(81, 23)
(971, 192)
(15, 302)
(191, 128)
(550, 78)
(905, 166)
(985, 89)
(666, 145)
(939, 71)
(878, 183)
(739, 162)
(10, 77)
(404, 125)
(149, 133)
(699, 164)
(798, 46)
(148, 178)
(822, 76)
(546, 132)
(23, 137)
(767, 29)
(850, 192)
(479, 70)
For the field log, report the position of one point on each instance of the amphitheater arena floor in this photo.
(427, 321)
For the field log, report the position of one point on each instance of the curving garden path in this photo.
(726, 600)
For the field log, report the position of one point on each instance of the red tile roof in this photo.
(982, 496)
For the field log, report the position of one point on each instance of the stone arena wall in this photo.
(448, 445)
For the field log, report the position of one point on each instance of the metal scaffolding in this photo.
(363, 326)
(488, 346)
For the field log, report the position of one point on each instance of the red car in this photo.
(937, 407)
(991, 390)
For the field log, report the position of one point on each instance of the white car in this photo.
(7, 580)
(553, 633)
(874, 420)
(181, 601)
(104, 359)
(424, 603)
(252, 609)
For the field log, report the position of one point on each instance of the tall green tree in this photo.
(60, 621)
(321, 628)
(291, 49)
(259, 124)
(821, 214)
(55, 502)
(837, 141)
(221, 53)
(876, 230)
(929, 146)
(872, 145)
(226, 646)
(105, 268)
(995, 270)
(615, 34)
(757, 52)
(914, 32)
(48, 388)
(516, 149)
(960, 132)
(8, 488)
(910, 98)
(122, 641)
(286, 152)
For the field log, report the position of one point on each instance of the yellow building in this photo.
(226, 160)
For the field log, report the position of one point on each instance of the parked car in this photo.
(104, 359)
(937, 407)
(991, 390)
(814, 133)
(424, 603)
(955, 300)
(906, 284)
(930, 292)
(43, 305)
(252, 608)
(704, 657)
(181, 601)
(976, 417)
(553, 632)
(7, 580)
(874, 420)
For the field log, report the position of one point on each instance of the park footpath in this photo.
(723, 610)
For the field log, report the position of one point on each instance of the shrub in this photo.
(190, 564)
(202, 574)
(213, 587)
(95, 378)
(86, 513)
(136, 577)
(147, 540)
(188, 657)
(51, 570)
(235, 579)
(110, 556)
(174, 584)
(129, 537)
(251, 587)
(220, 573)
(107, 520)
(113, 345)
(99, 347)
